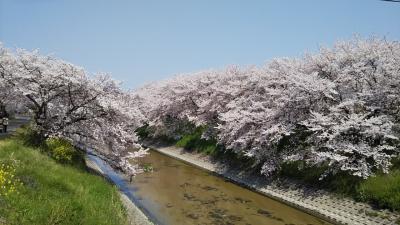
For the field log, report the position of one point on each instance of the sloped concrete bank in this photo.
(134, 213)
(325, 205)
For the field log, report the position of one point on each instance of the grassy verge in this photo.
(381, 190)
(193, 141)
(45, 191)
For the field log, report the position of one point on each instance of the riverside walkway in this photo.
(14, 124)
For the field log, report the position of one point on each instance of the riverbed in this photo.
(178, 193)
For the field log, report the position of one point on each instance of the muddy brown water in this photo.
(177, 193)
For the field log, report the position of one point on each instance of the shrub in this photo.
(29, 136)
(143, 132)
(61, 149)
(299, 171)
(194, 141)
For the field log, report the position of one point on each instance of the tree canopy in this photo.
(339, 108)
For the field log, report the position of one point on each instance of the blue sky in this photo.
(142, 41)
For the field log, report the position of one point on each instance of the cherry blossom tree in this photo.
(91, 112)
(339, 107)
(9, 99)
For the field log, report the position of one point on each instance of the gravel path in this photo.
(335, 209)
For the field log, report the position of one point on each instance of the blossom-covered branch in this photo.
(93, 113)
(339, 107)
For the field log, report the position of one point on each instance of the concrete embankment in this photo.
(325, 205)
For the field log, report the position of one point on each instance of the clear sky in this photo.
(141, 41)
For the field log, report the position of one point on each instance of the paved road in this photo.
(14, 124)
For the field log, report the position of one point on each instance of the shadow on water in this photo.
(175, 193)
(123, 186)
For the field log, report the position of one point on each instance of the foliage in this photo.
(90, 111)
(148, 167)
(382, 190)
(143, 132)
(61, 149)
(54, 193)
(340, 183)
(339, 108)
(29, 136)
(194, 141)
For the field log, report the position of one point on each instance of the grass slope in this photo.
(54, 193)
(193, 141)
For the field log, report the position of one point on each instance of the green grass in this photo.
(55, 193)
(193, 141)
(381, 190)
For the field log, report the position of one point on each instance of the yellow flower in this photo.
(8, 181)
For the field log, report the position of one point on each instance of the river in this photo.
(176, 193)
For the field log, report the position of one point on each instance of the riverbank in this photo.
(134, 214)
(36, 189)
(67, 189)
(335, 209)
